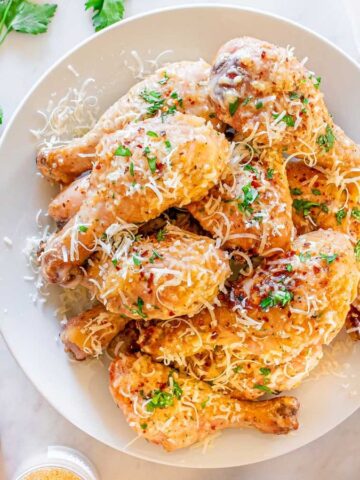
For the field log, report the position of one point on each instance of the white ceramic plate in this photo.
(79, 391)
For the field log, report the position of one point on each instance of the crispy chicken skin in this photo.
(68, 202)
(174, 410)
(273, 318)
(251, 208)
(268, 96)
(87, 334)
(142, 170)
(161, 278)
(182, 85)
(319, 203)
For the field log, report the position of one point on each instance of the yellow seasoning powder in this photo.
(51, 474)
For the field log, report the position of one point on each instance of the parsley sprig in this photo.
(106, 12)
(279, 297)
(25, 17)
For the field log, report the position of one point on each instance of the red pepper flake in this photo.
(263, 54)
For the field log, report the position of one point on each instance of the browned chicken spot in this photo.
(270, 98)
(174, 410)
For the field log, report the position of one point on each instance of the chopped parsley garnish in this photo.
(136, 260)
(114, 261)
(154, 255)
(106, 12)
(160, 235)
(288, 119)
(131, 169)
(250, 195)
(177, 390)
(1, 116)
(305, 101)
(263, 388)
(175, 96)
(168, 145)
(327, 140)
(122, 151)
(340, 215)
(303, 206)
(83, 228)
(151, 160)
(160, 399)
(328, 258)
(259, 105)
(237, 369)
(317, 82)
(289, 267)
(250, 168)
(246, 101)
(295, 191)
(270, 173)
(139, 309)
(355, 213)
(164, 79)
(357, 250)
(143, 426)
(265, 371)
(280, 297)
(204, 403)
(315, 191)
(233, 106)
(293, 95)
(304, 257)
(154, 99)
(150, 133)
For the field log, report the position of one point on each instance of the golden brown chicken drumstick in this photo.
(276, 322)
(142, 170)
(251, 208)
(268, 96)
(319, 203)
(87, 334)
(174, 410)
(166, 275)
(178, 86)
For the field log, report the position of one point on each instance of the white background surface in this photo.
(27, 422)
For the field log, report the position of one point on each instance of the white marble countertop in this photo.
(27, 422)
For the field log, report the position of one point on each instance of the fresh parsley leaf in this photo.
(288, 119)
(293, 95)
(315, 191)
(250, 195)
(131, 169)
(176, 389)
(328, 258)
(25, 17)
(161, 400)
(1, 116)
(304, 257)
(327, 140)
(150, 133)
(122, 151)
(250, 168)
(160, 235)
(154, 99)
(246, 101)
(154, 255)
(203, 404)
(234, 106)
(168, 145)
(263, 388)
(265, 371)
(139, 309)
(317, 82)
(106, 12)
(270, 173)
(355, 213)
(237, 369)
(143, 426)
(114, 262)
(289, 267)
(357, 250)
(83, 228)
(340, 215)
(304, 206)
(164, 79)
(136, 260)
(279, 297)
(295, 191)
(259, 105)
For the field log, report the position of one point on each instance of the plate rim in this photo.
(17, 111)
